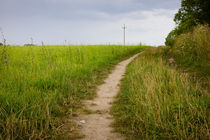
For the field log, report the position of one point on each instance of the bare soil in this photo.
(96, 125)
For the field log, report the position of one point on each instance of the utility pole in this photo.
(32, 41)
(124, 28)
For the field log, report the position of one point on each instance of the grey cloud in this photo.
(71, 9)
(88, 21)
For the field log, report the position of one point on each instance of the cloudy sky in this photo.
(87, 21)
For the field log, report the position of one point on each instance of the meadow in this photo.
(165, 93)
(39, 85)
(157, 101)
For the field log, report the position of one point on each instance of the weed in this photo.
(43, 83)
(157, 102)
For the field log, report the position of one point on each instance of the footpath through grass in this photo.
(41, 84)
(158, 102)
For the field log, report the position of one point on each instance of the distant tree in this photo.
(29, 45)
(191, 13)
(1, 44)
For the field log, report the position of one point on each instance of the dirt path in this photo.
(96, 126)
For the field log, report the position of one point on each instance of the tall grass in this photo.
(192, 50)
(157, 102)
(41, 84)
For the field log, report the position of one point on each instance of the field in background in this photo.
(39, 84)
(157, 101)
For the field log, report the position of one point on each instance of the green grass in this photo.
(192, 50)
(191, 54)
(39, 85)
(158, 102)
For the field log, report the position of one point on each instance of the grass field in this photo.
(158, 102)
(40, 84)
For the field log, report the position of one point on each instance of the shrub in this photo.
(193, 49)
(158, 102)
(194, 44)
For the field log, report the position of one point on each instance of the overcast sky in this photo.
(87, 21)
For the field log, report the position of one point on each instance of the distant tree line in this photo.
(1, 44)
(191, 13)
(29, 45)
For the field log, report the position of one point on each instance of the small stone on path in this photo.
(82, 121)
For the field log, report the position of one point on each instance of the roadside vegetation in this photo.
(41, 84)
(157, 101)
(188, 43)
(165, 93)
(191, 54)
(192, 50)
(191, 14)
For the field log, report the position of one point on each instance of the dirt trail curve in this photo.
(96, 126)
